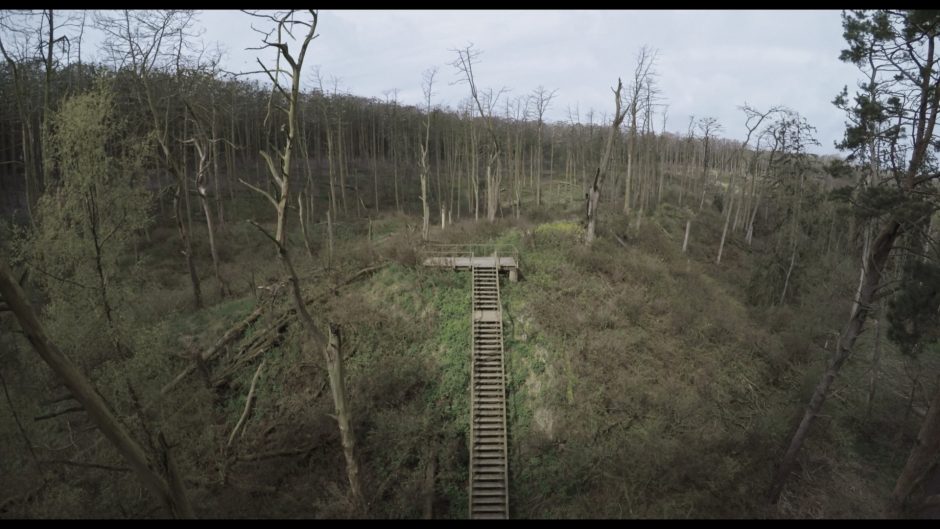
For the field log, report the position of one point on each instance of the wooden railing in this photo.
(468, 250)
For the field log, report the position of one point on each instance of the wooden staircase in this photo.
(489, 465)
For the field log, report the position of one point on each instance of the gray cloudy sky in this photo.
(709, 62)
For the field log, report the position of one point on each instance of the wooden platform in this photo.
(489, 450)
(466, 263)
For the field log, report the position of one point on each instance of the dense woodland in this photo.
(212, 302)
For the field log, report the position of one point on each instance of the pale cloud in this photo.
(710, 62)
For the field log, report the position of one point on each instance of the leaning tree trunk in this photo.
(853, 328)
(85, 393)
(724, 232)
(923, 457)
(594, 192)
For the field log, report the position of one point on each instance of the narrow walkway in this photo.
(489, 465)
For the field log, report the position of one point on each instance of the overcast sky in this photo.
(709, 62)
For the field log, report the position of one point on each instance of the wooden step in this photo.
(480, 444)
(486, 434)
(489, 485)
(480, 501)
(489, 475)
(488, 451)
(479, 461)
(488, 492)
(489, 433)
(488, 500)
(494, 457)
(489, 508)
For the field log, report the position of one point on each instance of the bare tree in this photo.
(642, 73)
(424, 170)
(600, 173)
(542, 99)
(15, 52)
(145, 41)
(709, 128)
(203, 142)
(753, 120)
(485, 103)
(285, 24)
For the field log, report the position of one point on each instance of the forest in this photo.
(237, 294)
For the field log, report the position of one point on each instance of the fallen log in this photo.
(229, 336)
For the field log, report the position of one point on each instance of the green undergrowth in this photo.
(641, 382)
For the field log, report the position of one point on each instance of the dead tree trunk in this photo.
(203, 146)
(85, 393)
(923, 457)
(685, 240)
(875, 359)
(303, 225)
(280, 173)
(724, 232)
(333, 354)
(187, 243)
(594, 193)
(876, 262)
(424, 169)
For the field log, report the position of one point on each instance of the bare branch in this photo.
(262, 191)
